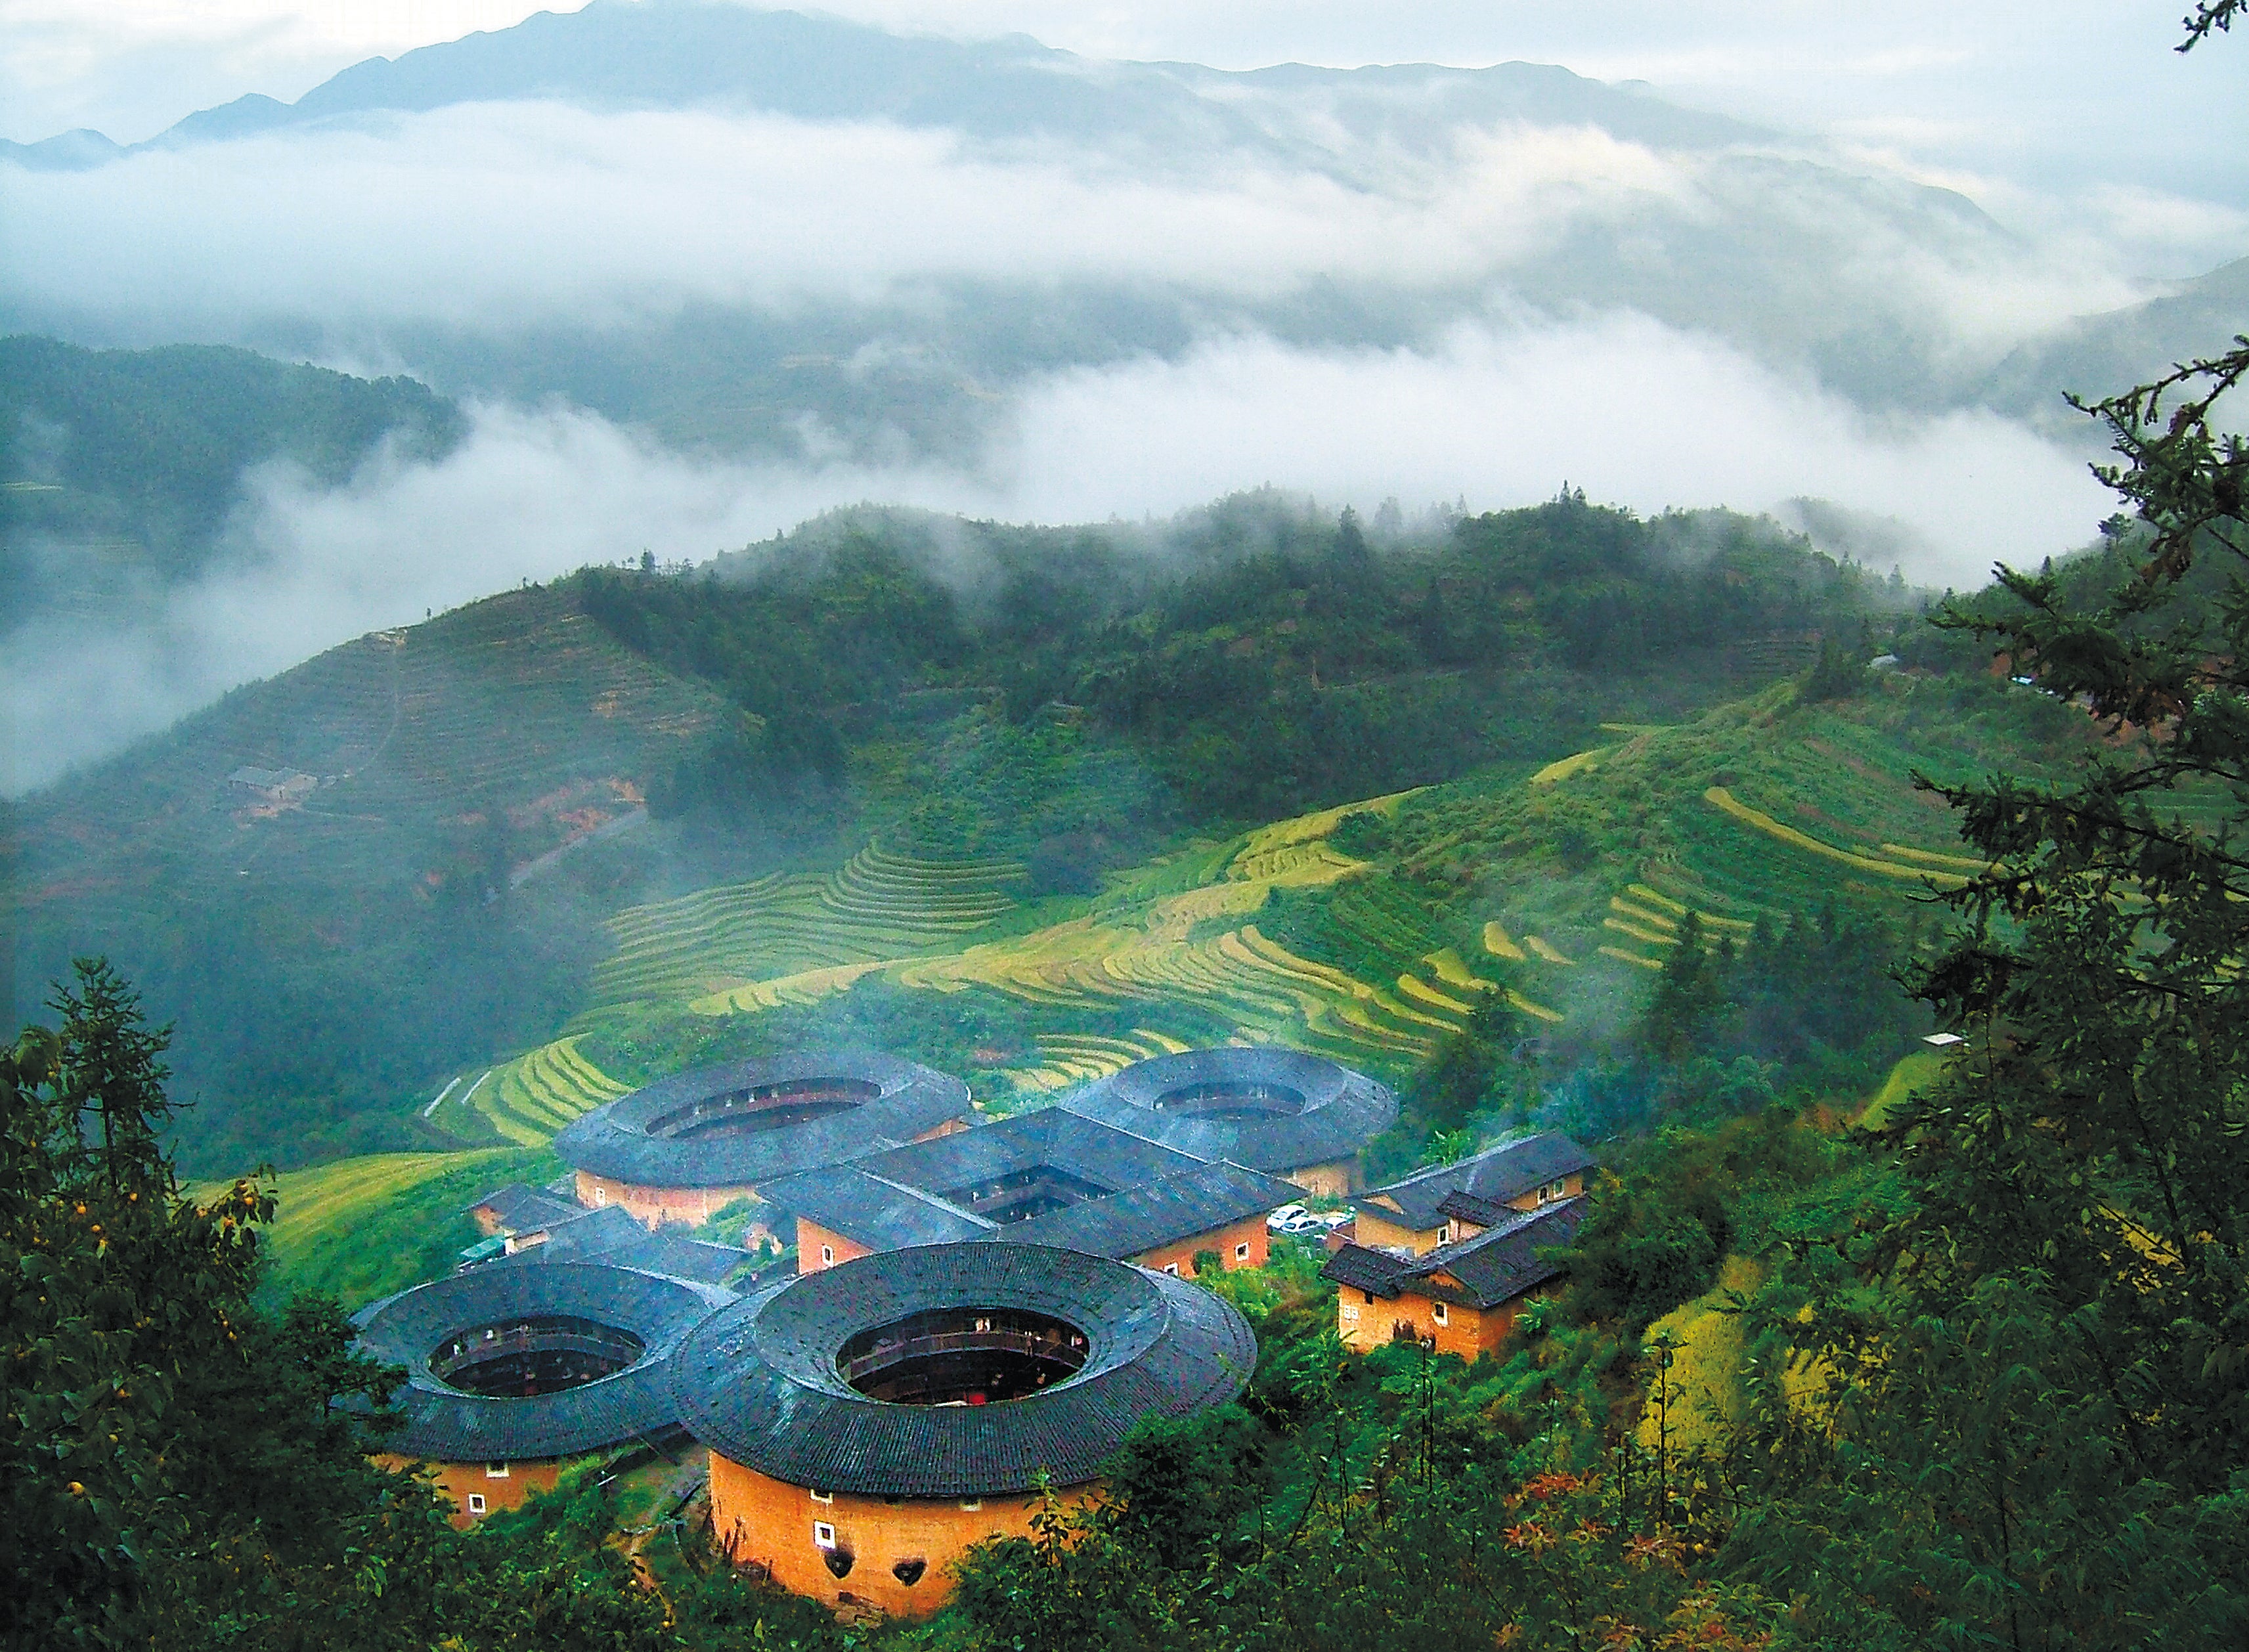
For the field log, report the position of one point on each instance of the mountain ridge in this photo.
(691, 53)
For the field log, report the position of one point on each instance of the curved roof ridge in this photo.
(1342, 1110)
(448, 1424)
(759, 1382)
(615, 1139)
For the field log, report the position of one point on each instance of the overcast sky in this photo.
(2107, 157)
(2060, 97)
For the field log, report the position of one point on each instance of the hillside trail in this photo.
(686, 1482)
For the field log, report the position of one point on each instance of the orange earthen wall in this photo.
(1336, 1180)
(810, 1237)
(1572, 1185)
(1366, 1327)
(655, 1206)
(761, 1520)
(1376, 1232)
(457, 1480)
(1249, 1231)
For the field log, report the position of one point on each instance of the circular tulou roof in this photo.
(447, 1425)
(758, 1382)
(616, 1139)
(1342, 1111)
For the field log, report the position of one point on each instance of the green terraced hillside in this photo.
(1365, 931)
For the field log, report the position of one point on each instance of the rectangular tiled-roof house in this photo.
(1049, 1178)
(1461, 1298)
(1444, 1204)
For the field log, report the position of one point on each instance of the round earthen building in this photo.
(683, 1148)
(869, 1422)
(512, 1370)
(1289, 1114)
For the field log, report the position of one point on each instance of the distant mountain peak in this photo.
(687, 54)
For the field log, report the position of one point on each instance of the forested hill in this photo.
(1066, 702)
(121, 466)
(1261, 656)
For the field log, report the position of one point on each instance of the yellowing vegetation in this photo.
(530, 1097)
(1568, 766)
(806, 987)
(1302, 829)
(1497, 943)
(1549, 953)
(1705, 1375)
(1641, 931)
(1623, 956)
(1725, 800)
(1641, 915)
(1452, 970)
(1931, 855)
(1648, 896)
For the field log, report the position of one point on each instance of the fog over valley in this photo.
(684, 297)
(1293, 827)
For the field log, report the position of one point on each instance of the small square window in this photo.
(495, 1472)
(601, 1195)
(1241, 1251)
(476, 1503)
(828, 1255)
(1173, 1268)
(972, 1503)
(818, 1496)
(1438, 1312)
(823, 1535)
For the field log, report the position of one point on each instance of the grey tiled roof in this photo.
(1153, 1195)
(1107, 1155)
(445, 1425)
(872, 1210)
(1179, 1206)
(1495, 1176)
(1365, 1268)
(758, 1382)
(1491, 1268)
(1342, 1110)
(613, 1140)
(522, 1208)
(613, 1236)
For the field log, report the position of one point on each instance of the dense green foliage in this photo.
(182, 1469)
(144, 450)
(1261, 657)
(1074, 700)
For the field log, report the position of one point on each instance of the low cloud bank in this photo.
(497, 217)
(1635, 413)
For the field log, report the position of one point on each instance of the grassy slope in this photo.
(1567, 887)
(360, 1228)
(1382, 950)
(1912, 1072)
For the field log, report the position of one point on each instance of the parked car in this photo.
(1279, 1221)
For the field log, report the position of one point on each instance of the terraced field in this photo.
(877, 907)
(1280, 936)
(1070, 1058)
(1762, 808)
(360, 1227)
(526, 1100)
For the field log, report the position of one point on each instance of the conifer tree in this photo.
(2044, 1416)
